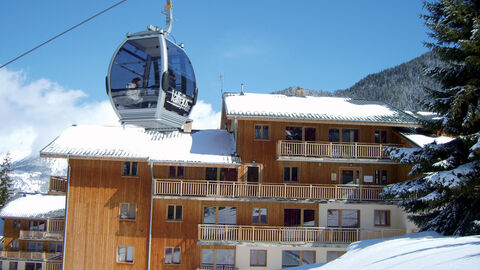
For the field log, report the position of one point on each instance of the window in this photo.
(130, 168)
(127, 211)
(211, 174)
(350, 176)
(228, 174)
(334, 135)
(174, 212)
(125, 254)
(172, 255)
(33, 266)
(310, 134)
(36, 225)
(380, 136)
(292, 258)
(262, 132)
(253, 174)
(176, 172)
(343, 218)
(219, 215)
(298, 217)
(349, 135)
(290, 174)
(55, 247)
(332, 255)
(258, 257)
(35, 246)
(382, 218)
(218, 259)
(16, 224)
(259, 216)
(13, 266)
(381, 177)
(14, 245)
(293, 133)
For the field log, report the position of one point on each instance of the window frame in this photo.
(128, 218)
(176, 174)
(300, 257)
(175, 208)
(16, 224)
(217, 214)
(126, 254)
(38, 246)
(290, 174)
(131, 171)
(302, 216)
(387, 217)
(382, 136)
(258, 251)
(340, 225)
(262, 132)
(172, 259)
(379, 176)
(259, 221)
(14, 245)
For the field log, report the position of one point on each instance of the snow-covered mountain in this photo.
(31, 174)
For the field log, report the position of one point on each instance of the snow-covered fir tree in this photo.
(5, 180)
(444, 195)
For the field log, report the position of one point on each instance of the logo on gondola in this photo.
(180, 100)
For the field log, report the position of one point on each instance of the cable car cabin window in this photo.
(181, 88)
(135, 74)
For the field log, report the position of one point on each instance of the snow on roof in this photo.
(314, 108)
(35, 206)
(204, 146)
(425, 251)
(423, 139)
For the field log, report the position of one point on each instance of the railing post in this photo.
(234, 191)
(380, 152)
(285, 191)
(336, 192)
(358, 235)
(259, 189)
(181, 187)
(331, 150)
(360, 193)
(305, 149)
(310, 195)
(356, 149)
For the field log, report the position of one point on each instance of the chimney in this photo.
(299, 92)
(187, 127)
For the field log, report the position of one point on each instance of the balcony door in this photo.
(298, 217)
(350, 176)
(253, 173)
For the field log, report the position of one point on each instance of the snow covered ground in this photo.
(427, 250)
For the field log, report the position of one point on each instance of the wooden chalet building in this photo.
(285, 181)
(34, 229)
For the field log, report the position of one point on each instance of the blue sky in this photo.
(266, 44)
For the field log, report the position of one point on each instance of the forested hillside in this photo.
(401, 86)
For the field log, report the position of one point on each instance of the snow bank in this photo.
(427, 250)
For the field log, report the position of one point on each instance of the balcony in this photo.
(53, 266)
(26, 255)
(217, 267)
(235, 233)
(58, 184)
(333, 152)
(54, 232)
(199, 188)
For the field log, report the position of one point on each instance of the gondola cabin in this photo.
(151, 82)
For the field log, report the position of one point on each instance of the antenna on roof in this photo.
(241, 89)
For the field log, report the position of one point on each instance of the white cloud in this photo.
(34, 113)
(204, 117)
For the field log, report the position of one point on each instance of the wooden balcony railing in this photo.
(237, 233)
(199, 188)
(332, 150)
(41, 235)
(26, 255)
(58, 184)
(217, 267)
(55, 225)
(53, 266)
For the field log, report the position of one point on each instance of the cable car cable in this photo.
(63, 33)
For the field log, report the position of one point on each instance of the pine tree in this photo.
(444, 196)
(5, 181)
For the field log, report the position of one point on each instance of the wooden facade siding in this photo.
(235, 233)
(333, 150)
(266, 190)
(94, 229)
(57, 184)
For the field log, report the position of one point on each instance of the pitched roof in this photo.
(313, 108)
(35, 206)
(203, 146)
